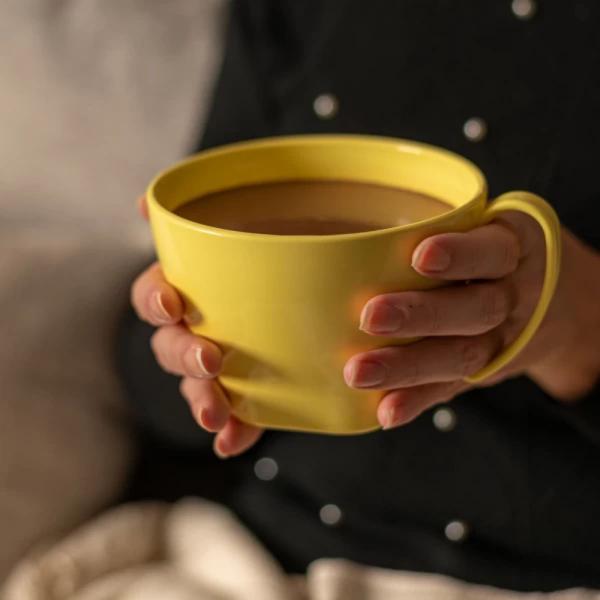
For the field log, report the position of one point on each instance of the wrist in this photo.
(571, 366)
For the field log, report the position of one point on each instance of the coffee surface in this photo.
(311, 208)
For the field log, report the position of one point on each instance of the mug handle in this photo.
(547, 219)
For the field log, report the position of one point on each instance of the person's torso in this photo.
(502, 487)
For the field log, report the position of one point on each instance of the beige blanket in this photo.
(197, 550)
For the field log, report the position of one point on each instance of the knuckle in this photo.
(434, 318)
(492, 305)
(472, 356)
(512, 252)
(511, 258)
(411, 371)
(505, 299)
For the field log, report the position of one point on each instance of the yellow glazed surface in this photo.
(285, 309)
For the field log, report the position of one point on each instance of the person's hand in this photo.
(195, 359)
(465, 326)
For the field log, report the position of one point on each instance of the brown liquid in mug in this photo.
(311, 208)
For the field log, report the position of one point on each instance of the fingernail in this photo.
(385, 319)
(367, 374)
(203, 369)
(207, 420)
(213, 421)
(220, 451)
(160, 310)
(431, 257)
(390, 418)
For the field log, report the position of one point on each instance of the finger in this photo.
(154, 300)
(487, 252)
(236, 437)
(142, 206)
(400, 407)
(456, 310)
(180, 352)
(207, 401)
(431, 360)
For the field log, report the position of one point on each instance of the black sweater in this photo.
(511, 473)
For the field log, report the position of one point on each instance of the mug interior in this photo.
(382, 161)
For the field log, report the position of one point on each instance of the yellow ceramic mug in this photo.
(285, 309)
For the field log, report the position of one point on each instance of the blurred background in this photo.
(95, 98)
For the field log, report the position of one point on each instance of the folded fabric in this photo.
(198, 550)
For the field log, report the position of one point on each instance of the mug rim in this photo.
(405, 145)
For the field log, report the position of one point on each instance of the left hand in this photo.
(465, 326)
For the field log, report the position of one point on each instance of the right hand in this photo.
(197, 360)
